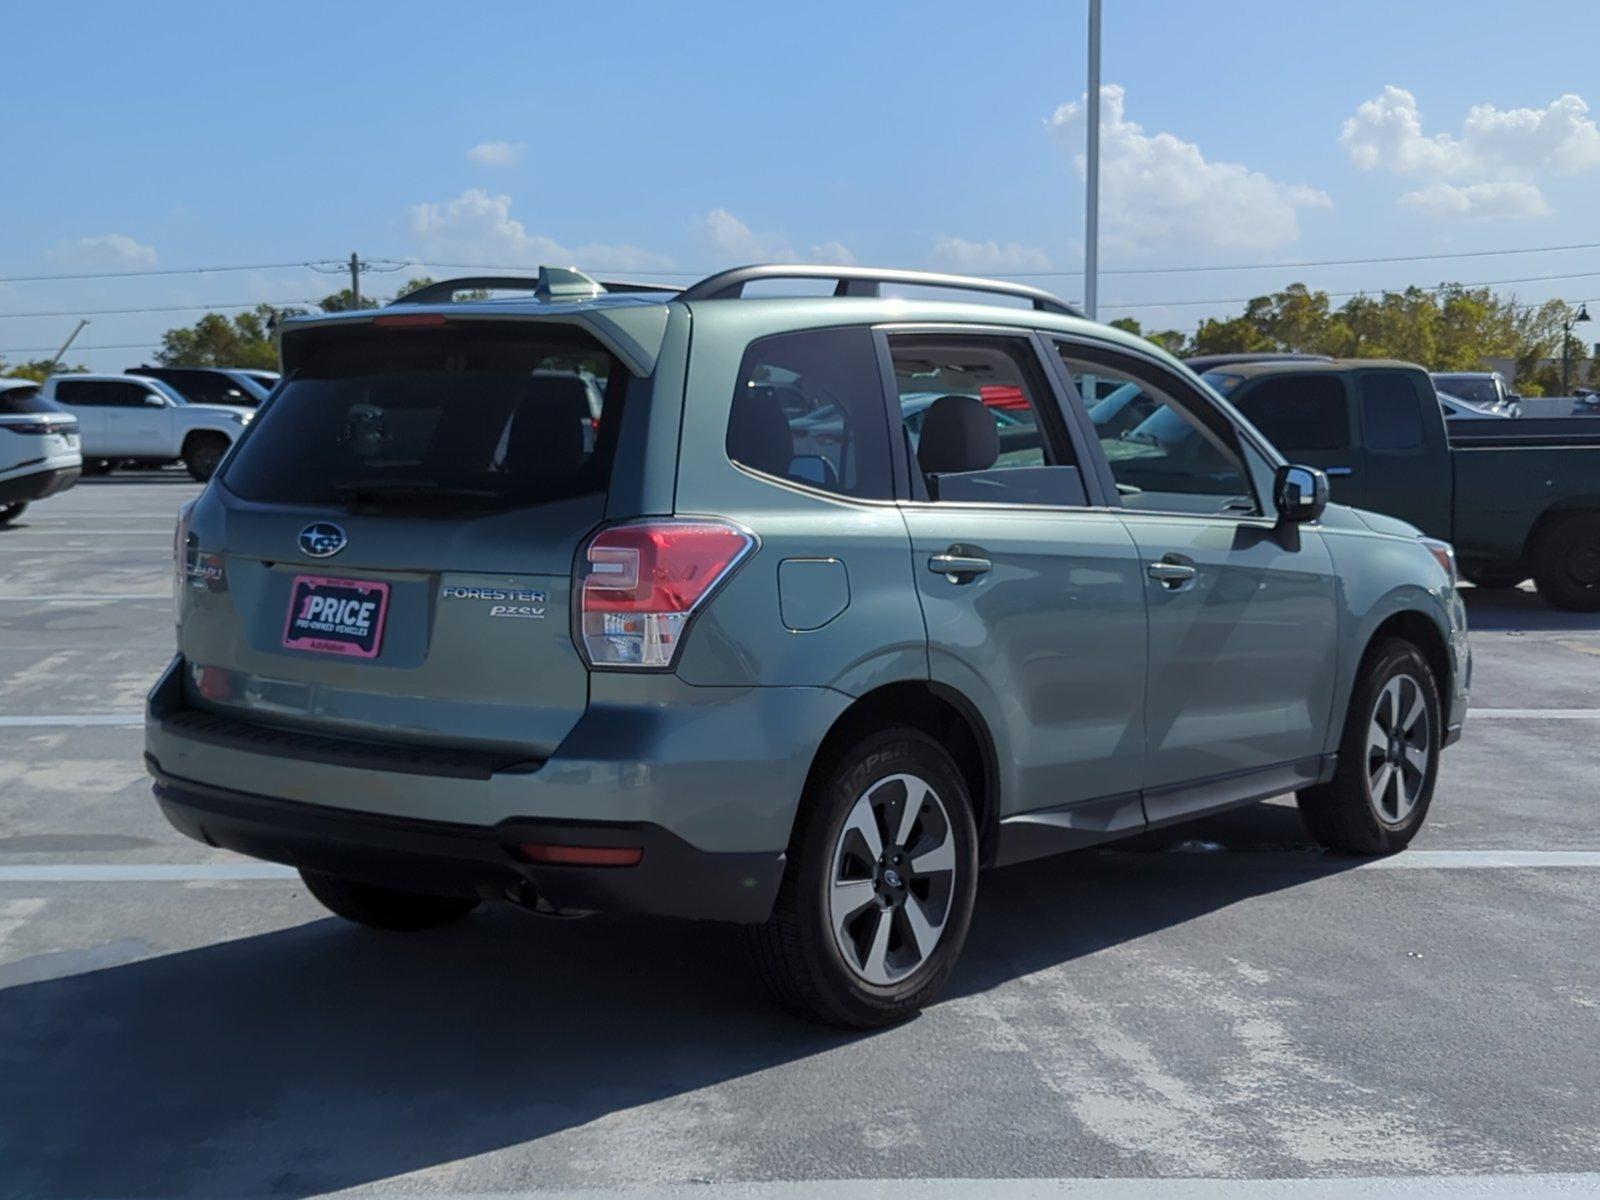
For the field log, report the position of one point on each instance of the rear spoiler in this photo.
(551, 284)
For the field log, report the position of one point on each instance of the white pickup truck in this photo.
(124, 418)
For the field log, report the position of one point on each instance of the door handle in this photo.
(1336, 472)
(1171, 575)
(959, 568)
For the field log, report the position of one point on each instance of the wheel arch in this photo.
(1587, 505)
(1422, 631)
(945, 715)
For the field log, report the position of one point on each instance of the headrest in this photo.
(958, 434)
(547, 439)
(758, 432)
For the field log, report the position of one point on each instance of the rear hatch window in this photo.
(437, 421)
(390, 554)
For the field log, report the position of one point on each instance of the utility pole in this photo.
(355, 280)
(1566, 336)
(1091, 232)
(62, 353)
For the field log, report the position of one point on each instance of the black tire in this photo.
(796, 951)
(10, 512)
(201, 454)
(382, 907)
(1342, 814)
(1566, 565)
(1495, 577)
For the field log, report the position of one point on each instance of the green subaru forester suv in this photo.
(792, 610)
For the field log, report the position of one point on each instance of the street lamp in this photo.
(1566, 336)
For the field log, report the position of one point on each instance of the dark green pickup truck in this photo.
(1518, 497)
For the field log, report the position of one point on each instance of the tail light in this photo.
(180, 558)
(643, 582)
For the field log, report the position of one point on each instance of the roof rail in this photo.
(552, 283)
(866, 281)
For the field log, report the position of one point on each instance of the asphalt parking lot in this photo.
(1218, 1001)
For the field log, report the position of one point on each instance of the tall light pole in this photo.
(1091, 206)
(1566, 336)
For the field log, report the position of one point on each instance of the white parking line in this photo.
(72, 720)
(1419, 860)
(1389, 1187)
(84, 597)
(1533, 714)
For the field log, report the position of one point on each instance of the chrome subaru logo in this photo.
(323, 539)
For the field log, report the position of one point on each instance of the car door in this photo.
(1308, 416)
(1407, 449)
(1033, 598)
(144, 415)
(1242, 617)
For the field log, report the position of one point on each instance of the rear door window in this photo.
(1300, 412)
(17, 401)
(808, 408)
(981, 422)
(1390, 411)
(438, 422)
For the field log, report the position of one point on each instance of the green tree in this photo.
(344, 300)
(244, 340)
(1241, 335)
(37, 369)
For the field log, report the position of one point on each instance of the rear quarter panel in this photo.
(1501, 492)
(742, 638)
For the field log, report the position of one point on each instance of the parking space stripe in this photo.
(72, 720)
(83, 597)
(1533, 714)
(1417, 860)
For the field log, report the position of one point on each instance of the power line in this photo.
(144, 274)
(107, 312)
(80, 349)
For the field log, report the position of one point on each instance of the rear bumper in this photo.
(706, 781)
(671, 878)
(38, 484)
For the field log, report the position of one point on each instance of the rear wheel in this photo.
(1388, 758)
(1567, 564)
(97, 466)
(383, 907)
(10, 512)
(878, 894)
(201, 454)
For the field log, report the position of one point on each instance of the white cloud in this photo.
(1490, 169)
(108, 250)
(496, 154)
(732, 239)
(478, 227)
(1478, 201)
(958, 254)
(1386, 134)
(1157, 189)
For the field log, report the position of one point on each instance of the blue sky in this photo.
(651, 137)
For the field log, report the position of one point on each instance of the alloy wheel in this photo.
(892, 879)
(1399, 749)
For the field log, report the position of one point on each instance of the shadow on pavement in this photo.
(324, 1056)
(1499, 610)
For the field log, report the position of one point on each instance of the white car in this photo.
(38, 448)
(128, 417)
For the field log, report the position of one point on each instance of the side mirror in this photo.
(151, 400)
(1300, 493)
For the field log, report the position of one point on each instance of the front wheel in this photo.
(10, 512)
(1567, 564)
(1388, 758)
(878, 893)
(201, 454)
(384, 907)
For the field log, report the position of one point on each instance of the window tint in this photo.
(480, 419)
(99, 393)
(808, 408)
(971, 411)
(14, 401)
(1299, 412)
(1390, 411)
(1162, 459)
